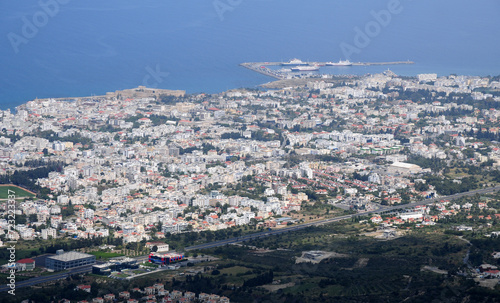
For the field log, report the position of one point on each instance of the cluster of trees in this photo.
(421, 186)
(481, 249)
(52, 136)
(427, 96)
(260, 135)
(420, 95)
(27, 178)
(447, 187)
(187, 150)
(232, 135)
(486, 135)
(171, 100)
(434, 164)
(41, 162)
(205, 147)
(80, 243)
(452, 112)
(259, 280)
(13, 137)
(360, 177)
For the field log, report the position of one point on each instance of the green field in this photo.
(105, 255)
(235, 270)
(14, 190)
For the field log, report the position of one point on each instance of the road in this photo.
(336, 219)
(57, 276)
(54, 277)
(88, 268)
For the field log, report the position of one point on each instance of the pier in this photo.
(262, 67)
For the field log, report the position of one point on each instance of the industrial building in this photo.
(115, 264)
(65, 260)
(404, 168)
(165, 259)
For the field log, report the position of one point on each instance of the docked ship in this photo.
(308, 68)
(294, 62)
(340, 63)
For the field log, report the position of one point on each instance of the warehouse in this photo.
(67, 260)
(115, 264)
(165, 259)
(404, 168)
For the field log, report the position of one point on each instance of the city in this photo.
(104, 176)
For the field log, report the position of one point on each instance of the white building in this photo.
(427, 77)
(49, 232)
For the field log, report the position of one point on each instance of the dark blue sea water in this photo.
(89, 47)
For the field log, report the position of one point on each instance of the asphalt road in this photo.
(57, 276)
(336, 219)
(43, 279)
(88, 268)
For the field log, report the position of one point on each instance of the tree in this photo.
(21, 219)
(33, 218)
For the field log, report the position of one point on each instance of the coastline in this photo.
(138, 92)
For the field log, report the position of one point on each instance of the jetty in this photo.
(262, 67)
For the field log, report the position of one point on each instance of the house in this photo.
(161, 246)
(124, 295)
(175, 294)
(428, 222)
(25, 264)
(109, 297)
(83, 287)
(487, 267)
(190, 295)
(492, 273)
(203, 296)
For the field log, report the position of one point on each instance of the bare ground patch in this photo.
(361, 263)
(435, 269)
(272, 287)
(317, 256)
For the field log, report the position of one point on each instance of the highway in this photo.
(59, 275)
(54, 277)
(267, 233)
(336, 219)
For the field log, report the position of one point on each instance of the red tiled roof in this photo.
(26, 261)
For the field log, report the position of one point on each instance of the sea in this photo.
(70, 48)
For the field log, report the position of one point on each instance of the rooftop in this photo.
(72, 255)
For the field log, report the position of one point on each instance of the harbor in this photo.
(295, 66)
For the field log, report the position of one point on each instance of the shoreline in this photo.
(137, 92)
(265, 85)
